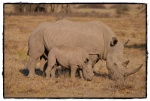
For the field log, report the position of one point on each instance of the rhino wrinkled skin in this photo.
(95, 37)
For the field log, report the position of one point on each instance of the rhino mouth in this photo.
(88, 79)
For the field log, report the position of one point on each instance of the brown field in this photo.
(17, 29)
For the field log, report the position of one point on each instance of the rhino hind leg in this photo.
(31, 66)
(51, 63)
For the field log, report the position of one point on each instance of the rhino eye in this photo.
(115, 64)
(114, 41)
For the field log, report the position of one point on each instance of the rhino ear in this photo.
(86, 60)
(125, 63)
(114, 41)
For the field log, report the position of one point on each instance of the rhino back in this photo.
(93, 36)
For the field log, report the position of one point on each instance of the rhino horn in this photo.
(129, 72)
(125, 63)
(125, 42)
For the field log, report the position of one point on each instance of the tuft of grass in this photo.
(22, 55)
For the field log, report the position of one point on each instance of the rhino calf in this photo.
(70, 57)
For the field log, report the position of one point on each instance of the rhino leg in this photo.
(44, 67)
(51, 63)
(94, 59)
(43, 64)
(32, 63)
(34, 54)
(73, 71)
(31, 66)
(53, 70)
(81, 74)
(48, 71)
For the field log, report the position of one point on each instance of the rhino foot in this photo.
(47, 77)
(31, 76)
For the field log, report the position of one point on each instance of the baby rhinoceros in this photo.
(70, 57)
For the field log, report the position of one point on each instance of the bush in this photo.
(18, 8)
(141, 8)
(29, 8)
(121, 8)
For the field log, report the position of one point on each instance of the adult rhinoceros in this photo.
(94, 36)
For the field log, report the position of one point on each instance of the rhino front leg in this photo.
(81, 74)
(53, 71)
(42, 62)
(31, 66)
(94, 59)
(73, 71)
(48, 70)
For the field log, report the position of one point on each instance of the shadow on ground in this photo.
(63, 71)
(102, 75)
(25, 72)
(137, 46)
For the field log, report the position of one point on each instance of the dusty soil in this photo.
(16, 84)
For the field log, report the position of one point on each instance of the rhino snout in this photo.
(89, 79)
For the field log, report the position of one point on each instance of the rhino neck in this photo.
(107, 39)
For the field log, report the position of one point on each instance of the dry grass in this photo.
(16, 32)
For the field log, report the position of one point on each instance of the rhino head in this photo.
(87, 70)
(114, 61)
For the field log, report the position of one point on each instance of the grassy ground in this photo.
(16, 32)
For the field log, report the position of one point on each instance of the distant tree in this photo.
(141, 8)
(23, 8)
(121, 9)
(53, 7)
(39, 9)
(65, 8)
(18, 7)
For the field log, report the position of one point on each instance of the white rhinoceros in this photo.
(95, 37)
